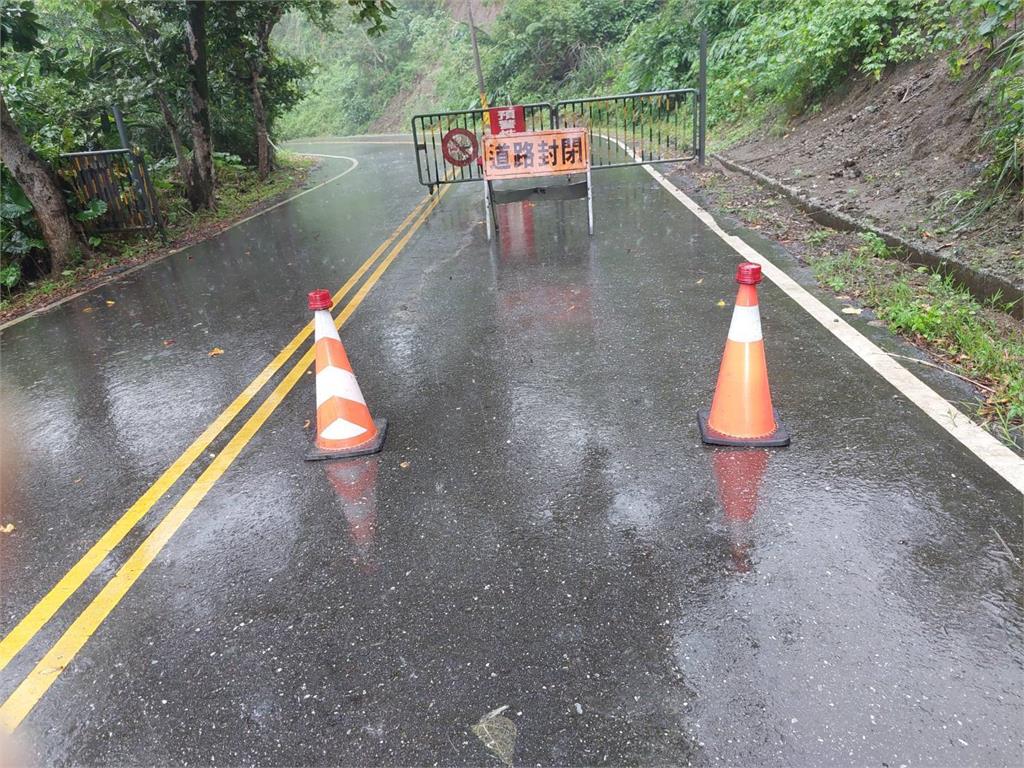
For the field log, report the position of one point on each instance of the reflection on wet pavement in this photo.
(738, 474)
(355, 482)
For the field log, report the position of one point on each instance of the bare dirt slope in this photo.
(485, 12)
(904, 154)
(420, 95)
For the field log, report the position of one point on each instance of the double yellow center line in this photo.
(42, 676)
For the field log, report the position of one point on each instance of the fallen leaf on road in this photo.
(720, 303)
(404, 465)
(168, 342)
(216, 352)
(498, 734)
(700, 281)
(852, 310)
(111, 303)
(87, 309)
(7, 528)
(306, 424)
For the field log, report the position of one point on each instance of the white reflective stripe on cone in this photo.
(337, 382)
(340, 429)
(323, 325)
(746, 325)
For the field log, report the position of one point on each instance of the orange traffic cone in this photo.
(741, 411)
(343, 424)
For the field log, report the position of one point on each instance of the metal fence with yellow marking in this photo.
(119, 178)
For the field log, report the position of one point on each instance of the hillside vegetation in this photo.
(769, 59)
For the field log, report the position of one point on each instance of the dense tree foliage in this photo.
(354, 76)
(196, 80)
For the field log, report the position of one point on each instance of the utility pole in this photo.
(476, 56)
(122, 132)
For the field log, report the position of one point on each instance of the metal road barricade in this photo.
(507, 143)
(119, 178)
(625, 129)
(631, 128)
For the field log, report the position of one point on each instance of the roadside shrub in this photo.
(537, 46)
(794, 51)
(23, 254)
(22, 243)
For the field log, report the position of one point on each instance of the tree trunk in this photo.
(201, 191)
(264, 151)
(41, 187)
(184, 169)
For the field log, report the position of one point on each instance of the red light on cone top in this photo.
(319, 299)
(748, 273)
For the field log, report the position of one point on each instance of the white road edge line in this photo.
(158, 259)
(309, 154)
(355, 164)
(334, 157)
(352, 138)
(986, 447)
(315, 154)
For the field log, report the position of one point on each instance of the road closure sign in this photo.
(536, 153)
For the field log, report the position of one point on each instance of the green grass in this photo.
(819, 236)
(840, 271)
(977, 341)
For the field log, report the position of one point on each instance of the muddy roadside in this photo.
(903, 155)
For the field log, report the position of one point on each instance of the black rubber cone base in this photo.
(374, 446)
(777, 438)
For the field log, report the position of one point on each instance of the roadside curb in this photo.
(118, 272)
(983, 284)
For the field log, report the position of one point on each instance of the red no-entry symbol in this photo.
(459, 147)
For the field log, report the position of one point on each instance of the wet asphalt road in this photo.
(543, 531)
